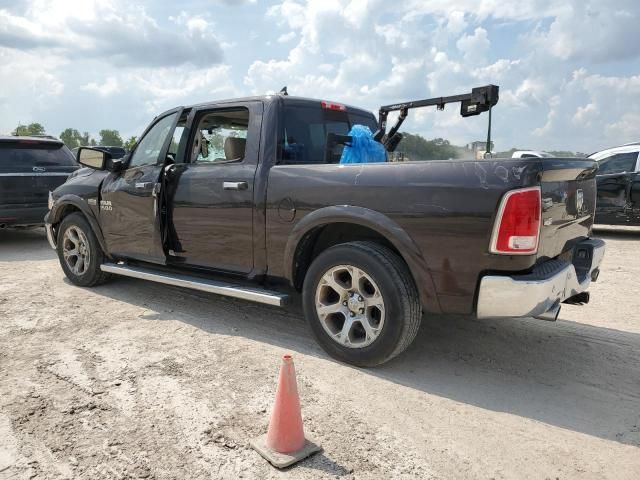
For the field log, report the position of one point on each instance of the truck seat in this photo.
(234, 148)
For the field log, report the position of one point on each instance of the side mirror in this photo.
(93, 158)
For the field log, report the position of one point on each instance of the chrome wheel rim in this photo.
(75, 250)
(350, 306)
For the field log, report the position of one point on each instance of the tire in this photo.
(75, 226)
(376, 326)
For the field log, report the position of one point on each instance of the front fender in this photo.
(378, 222)
(55, 215)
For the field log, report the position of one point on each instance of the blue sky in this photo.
(569, 71)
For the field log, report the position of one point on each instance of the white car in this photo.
(530, 154)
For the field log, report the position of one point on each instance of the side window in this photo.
(148, 150)
(175, 140)
(221, 137)
(619, 163)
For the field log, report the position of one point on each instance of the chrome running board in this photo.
(195, 283)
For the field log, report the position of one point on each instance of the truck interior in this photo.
(221, 137)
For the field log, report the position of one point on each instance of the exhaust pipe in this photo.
(550, 315)
(579, 299)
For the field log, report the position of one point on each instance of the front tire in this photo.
(361, 303)
(79, 252)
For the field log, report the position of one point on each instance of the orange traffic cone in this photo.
(285, 443)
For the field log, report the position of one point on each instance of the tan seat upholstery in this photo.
(234, 148)
(200, 147)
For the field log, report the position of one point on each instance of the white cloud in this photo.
(626, 128)
(474, 47)
(286, 37)
(585, 114)
(110, 86)
(568, 70)
(593, 111)
(590, 30)
(483, 9)
(29, 84)
(456, 22)
(115, 30)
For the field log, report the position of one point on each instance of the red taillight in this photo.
(333, 106)
(517, 228)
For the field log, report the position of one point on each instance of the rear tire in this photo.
(79, 252)
(361, 303)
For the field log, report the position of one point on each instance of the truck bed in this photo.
(446, 207)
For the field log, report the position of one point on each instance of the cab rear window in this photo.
(304, 134)
(28, 155)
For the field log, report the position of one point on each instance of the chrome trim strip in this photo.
(502, 296)
(211, 286)
(36, 174)
(50, 237)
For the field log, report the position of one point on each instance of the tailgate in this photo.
(568, 204)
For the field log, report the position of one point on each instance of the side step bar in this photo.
(196, 283)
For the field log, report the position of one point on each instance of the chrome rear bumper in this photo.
(536, 293)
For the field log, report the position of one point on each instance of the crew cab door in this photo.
(618, 187)
(211, 200)
(129, 201)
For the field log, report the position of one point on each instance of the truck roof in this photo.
(288, 99)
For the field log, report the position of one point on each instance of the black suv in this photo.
(30, 167)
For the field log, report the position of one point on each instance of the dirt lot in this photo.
(138, 380)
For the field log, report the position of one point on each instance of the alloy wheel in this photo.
(75, 250)
(350, 306)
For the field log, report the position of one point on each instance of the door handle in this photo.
(144, 185)
(235, 185)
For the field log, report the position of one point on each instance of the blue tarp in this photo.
(363, 149)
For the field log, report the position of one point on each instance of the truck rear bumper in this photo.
(542, 290)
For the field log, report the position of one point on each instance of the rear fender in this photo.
(375, 221)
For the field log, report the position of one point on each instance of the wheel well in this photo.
(68, 209)
(320, 238)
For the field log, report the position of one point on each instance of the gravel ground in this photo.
(138, 380)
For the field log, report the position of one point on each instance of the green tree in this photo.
(86, 140)
(31, 129)
(72, 138)
(111, 138)
(416, 147)
(129, 144)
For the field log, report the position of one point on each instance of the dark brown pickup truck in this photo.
(240, 198)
